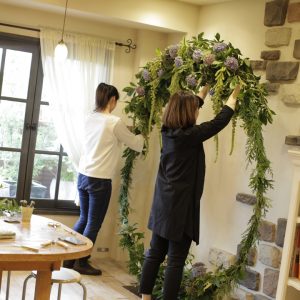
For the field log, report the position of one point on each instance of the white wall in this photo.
(223, 219)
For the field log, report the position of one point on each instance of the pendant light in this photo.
(61, 50)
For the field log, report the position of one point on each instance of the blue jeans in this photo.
(94, 194)
(177, 253)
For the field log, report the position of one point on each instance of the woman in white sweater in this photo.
(103, 135)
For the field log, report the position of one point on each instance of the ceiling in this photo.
(203, 2)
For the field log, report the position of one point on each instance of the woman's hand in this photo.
(204, 91)
(231, 102)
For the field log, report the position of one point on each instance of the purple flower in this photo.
(209, 59)
(178, 61)
(140, 91)
(211, 92)
(219, 47)
(197, 54)
(160, 72)
(146, 75)
(191, 80)
(231, 63)
(173, 50)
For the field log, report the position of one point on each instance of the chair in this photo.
(64, 275)
(7, 285)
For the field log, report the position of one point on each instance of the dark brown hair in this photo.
(181, 110)
(104, 92)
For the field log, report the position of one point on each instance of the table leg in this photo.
(43, 285)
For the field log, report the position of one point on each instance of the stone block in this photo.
(293, 14)
(291, 94)
(296, 52)
(246, 198)
(218, 257)
(240, 294)
(275, 12)
(270, 282)
(260, 297)
(270, 55)
(277, 37)
(293, 140)
(198, 269)
(293, 100)
(281, 222)
(269, 256)
(266, 231)
(252, 255)
(282, 71)
(251, 280)
(258, 64)
(272, 87)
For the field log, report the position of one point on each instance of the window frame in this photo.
(30, 128)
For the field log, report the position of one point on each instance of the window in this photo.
(33, 164)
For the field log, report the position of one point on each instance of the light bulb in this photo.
(61, 51)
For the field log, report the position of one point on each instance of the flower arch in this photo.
(190, 65)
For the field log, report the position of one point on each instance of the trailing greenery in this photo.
(190, 65)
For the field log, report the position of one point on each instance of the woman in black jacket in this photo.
(174, 218)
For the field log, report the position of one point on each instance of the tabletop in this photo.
(38, 239)
(37, 246)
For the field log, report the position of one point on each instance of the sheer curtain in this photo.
(70, 85)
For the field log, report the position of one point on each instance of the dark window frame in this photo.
(30, 128)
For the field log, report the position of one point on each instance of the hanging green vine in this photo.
(190, 65)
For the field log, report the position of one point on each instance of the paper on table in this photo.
(7, 234)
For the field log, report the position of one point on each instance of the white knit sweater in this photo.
(103, 135)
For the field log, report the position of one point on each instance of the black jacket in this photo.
(180, 179)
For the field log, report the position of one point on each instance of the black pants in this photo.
(177, 253)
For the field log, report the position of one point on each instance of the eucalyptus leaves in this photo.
(190, 65)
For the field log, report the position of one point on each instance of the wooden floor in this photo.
(109, 286)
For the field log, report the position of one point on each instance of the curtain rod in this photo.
(129, 44)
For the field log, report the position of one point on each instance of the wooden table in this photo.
(13, 257)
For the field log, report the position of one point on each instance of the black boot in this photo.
(83, 267)
(69, 264)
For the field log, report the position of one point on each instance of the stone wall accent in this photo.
(251, 280)
(296, 52)
(270, 55)
(272, 87)
(246, 198)
(292, 140)
(291, 94)
(275, 12)
(198, 269)
(252, 255)
(260, 297)
(276, 37)
(240, 294)
(281, 223)
(270, 282)
(291, 99)
(269, 255)
(282, 71)
(267, 231)
(293, 14)
(218, 257)
(258, 64)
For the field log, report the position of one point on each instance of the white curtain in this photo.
(70, 85)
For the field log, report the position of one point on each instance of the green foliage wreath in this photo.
(190, 65)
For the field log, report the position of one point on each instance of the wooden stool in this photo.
(64, 275)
